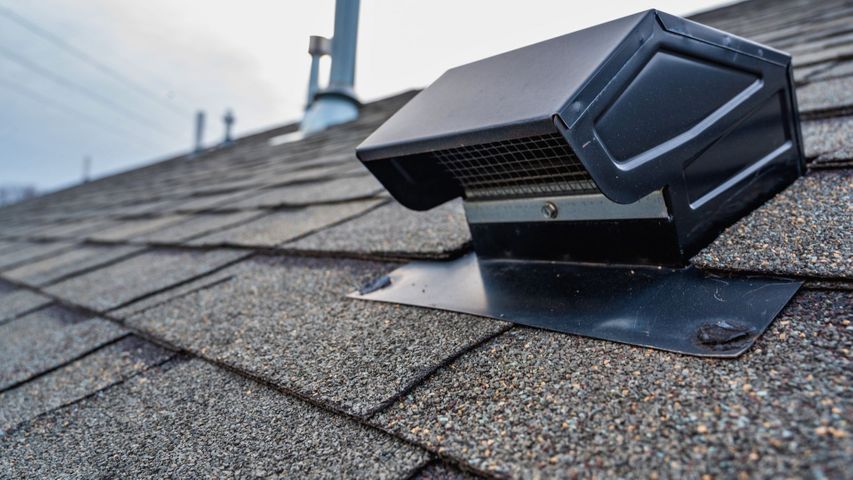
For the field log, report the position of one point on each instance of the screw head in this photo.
(549, 210)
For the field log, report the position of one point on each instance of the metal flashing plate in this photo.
(679, 310)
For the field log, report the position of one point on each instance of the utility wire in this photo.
(83, 90)
(85, 57)
(73, 112)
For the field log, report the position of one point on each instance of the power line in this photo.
(73, 112)
(82, 90)
(85, 57)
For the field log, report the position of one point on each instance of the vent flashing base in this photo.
(677, 310)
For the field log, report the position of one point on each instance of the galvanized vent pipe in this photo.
(199, 131)
(318, 47)
(342, 76)
(336, 103)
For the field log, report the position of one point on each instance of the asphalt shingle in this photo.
(46, 338)
(68, 263)
(829, 141)
(204, 203)
(822, 55)
(71, 230)
(18, 301)
(197, 225)
(201, 201)
(828, 95)
(191, 419)
(803, 231)
(395, 231)
(836, 70)
(336, 190)
(136, 209)
(19, 230)
(123, 230)
(804, 74)
(98, 370)
(535, 403)
(443, 471)
(28, 252)
(281, 226)
(288, 321)
(120, 283)
(164, 296)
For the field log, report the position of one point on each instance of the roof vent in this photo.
(336, 103)
(634, 142)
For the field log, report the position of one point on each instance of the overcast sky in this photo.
(164, 59)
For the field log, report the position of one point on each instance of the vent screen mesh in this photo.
(530, 166)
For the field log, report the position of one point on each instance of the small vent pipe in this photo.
(318, 47)
(199, 131)
(228, 119)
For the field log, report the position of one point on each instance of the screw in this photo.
(549, 210)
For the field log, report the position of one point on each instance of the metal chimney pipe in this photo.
(87, 167)
(342, 76)
(229, 120)
(337, 103)
(199, 130)
(317, 47)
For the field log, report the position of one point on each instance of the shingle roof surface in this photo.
(189, 318)
(15, 302)
(101, 369)
(46, 338)
(532, 401)
(192, 419)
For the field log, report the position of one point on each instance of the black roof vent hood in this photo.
(592, 167)
(635, 141)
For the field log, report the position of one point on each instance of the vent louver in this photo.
(523, 167)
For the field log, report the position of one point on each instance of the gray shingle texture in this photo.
(197, 225)
(291, 174)
(117, 284)
(533, 403)
(836, 94)
(164, 296)
(210, 202)
(805, 231)
(823, 55)
(335, 190)
(68, 263)
(443, 471)
(394, 231)
(191, 419)
(128, 229)
(830, 140)
(37, 342)
(71, 382)
(288, 321)
(837, 70)
(17, 301)
(71, 230)
(281, 226)
(27, 252)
